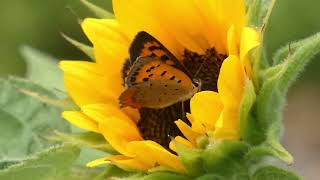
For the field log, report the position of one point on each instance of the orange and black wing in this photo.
(145, 45)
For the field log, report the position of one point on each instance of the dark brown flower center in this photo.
(158, 124)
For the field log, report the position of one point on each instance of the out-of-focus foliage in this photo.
(38, 24)
(292, 20)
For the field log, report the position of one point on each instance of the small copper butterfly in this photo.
(156, 78)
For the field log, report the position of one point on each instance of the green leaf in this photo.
(82, 47)
(259, 12)
(48, 164)
(246, 120)
(192, 159)
(274, 173)
(86, 139)
(24, 120)
(99, 12)
(226, 158)
(42, 68)
(271, 99)
(273, 149)
(298, 58)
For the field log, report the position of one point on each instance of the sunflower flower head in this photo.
(209, 38)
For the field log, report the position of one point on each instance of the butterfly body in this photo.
(156, 78)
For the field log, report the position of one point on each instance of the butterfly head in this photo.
(196, 84)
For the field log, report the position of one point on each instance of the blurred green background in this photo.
(38, 24)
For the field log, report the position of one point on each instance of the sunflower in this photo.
(208, 33)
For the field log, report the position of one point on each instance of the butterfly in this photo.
(156, 78)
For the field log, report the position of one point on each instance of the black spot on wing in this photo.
(163, 73)
(145, 79)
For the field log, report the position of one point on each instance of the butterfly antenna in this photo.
(199, 69)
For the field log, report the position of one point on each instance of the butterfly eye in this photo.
(197, 82)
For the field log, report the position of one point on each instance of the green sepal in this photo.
(192, 159)
(259, 12)
(268, 149)
(87, 50)
(54, 162)
(157, 176)
(247, 131)
(226, 158)
(98, 11)
(85, 139)
(274, 173)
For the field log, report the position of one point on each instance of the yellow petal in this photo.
(250, 39)
(80, 120)
(219, 16)
(196, 126)
(98, 162)
(206, 107)
(231, 82)
(227, 131)
(110, 49)
(180, 140)
(120, 161)
(233, 46)
(107, 34)
(183, 21)
(132, 113)
(86, 83)
(187, 131)
(151, 153)
(144, 20)
(115, 126)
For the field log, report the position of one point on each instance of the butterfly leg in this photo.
(183, 111)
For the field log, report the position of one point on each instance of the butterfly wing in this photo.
(153, 83)
(155, 94)
(145, 45)
(151, 68)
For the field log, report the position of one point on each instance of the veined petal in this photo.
(107, 31)
(116, 127)
(86, 83)
(180, 140)
(231, 82)
(135, 16)
(250, 39)
(120, 161)
(149, 152)
(111, 115)
(132, 113)
(233, 45)
(219, 16)
(187, 131)
(184, 22)
(206, 107)
(80, 120)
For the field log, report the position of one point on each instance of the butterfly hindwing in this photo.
(155, 94)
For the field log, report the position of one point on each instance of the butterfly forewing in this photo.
(145, 45)
(156, 78)
(152, 68)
